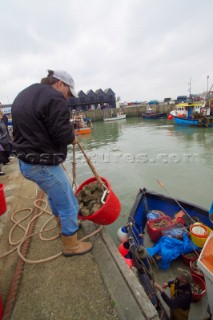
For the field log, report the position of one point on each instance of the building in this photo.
(93, 100)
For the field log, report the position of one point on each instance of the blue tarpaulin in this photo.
(170, 248)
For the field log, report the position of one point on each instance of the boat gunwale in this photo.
(144, 191)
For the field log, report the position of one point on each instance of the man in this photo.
(4, 144)
(181, 295)
(42, 130)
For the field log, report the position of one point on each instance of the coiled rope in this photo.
(28, 231)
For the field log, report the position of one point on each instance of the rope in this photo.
(74, 183)
(161, 184)
(18, 273)
(91, 166)
(28, 232)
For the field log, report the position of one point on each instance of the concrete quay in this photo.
(98, 285)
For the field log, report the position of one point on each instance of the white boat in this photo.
(119, 116)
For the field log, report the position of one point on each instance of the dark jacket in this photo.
(41, 126)
(4, 136)
(182, 296)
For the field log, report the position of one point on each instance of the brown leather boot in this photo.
(71, 246)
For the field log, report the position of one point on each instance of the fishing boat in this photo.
(192, 114)
(153, 113)
(149, 246)
(118, 116)
(82, 125)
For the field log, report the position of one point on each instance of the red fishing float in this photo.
(123, 248)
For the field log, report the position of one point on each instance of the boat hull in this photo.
(115, 118)
(154, 116)
(193, 122)
(83, 131)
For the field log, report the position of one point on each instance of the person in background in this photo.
(181, 295)
(5, 144)
(1, 161)
(41, 131)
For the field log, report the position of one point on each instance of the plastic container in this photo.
(199, 234)
(193, 271)
(155, 233)
(3, 204)
(188, 257)
(198, 281)
(180, 220)
(110, 210)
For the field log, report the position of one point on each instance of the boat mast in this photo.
(190, 87)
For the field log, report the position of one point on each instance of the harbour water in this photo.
(136, 153)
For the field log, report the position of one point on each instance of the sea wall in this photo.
(130, 111)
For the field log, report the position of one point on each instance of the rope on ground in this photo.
(22, 245)
(18, 273)
(27, 234)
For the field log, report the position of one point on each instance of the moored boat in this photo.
(192, 114)
(153, 113)
(168, 247)
(81, 124)
(119, 116)
(85, 130)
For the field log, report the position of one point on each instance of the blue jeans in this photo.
(55, 183)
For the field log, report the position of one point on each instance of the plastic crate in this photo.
(154, 231)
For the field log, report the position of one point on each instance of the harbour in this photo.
(132, 153)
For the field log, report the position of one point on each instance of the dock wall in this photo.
(130, 111)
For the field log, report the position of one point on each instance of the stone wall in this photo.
(130, 111)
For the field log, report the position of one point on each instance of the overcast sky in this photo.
(141, 49)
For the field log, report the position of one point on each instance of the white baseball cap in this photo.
(67, 79)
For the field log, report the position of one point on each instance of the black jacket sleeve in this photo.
(57, 120)
(181, 301)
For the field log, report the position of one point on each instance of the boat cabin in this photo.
(190, 110)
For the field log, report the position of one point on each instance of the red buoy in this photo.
(123, 248)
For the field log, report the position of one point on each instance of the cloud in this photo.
(141, 49)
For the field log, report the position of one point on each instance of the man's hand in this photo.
(158, 287)
(75, 141)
